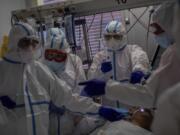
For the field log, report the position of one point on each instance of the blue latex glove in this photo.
(136, 77)
(93, 88)
(106, 67)
(112, 114)
(7, 102)
(83, 93)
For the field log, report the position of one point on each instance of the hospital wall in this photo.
(6, 6)
(138, 34)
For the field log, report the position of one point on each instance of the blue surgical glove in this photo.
(7, 102)
(106, 67)
(136, 77)
(93, 88)
(112, 114)
(84, 94)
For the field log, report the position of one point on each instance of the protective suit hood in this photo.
(19, 31)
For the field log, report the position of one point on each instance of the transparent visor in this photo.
(156, 29)
(27, 42)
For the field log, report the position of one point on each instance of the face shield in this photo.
(29, 49)
(27, 43)
(24, 45)
(164, 16)
(162, 24)
(56, 50)
(114, 35)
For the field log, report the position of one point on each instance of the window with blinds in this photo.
(95, 25)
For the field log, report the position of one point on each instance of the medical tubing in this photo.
(89, 27)
(140, 22)
(137, 20)
(147, 35)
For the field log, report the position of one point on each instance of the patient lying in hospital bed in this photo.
(138, 123)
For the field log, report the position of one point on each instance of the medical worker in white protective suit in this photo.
(120, 60)
(28, 90)
(167, 75)
(68, 67)
(167, 117)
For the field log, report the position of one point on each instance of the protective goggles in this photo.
(156, 29)
(26, 42)
(117, 37)
(56, 55)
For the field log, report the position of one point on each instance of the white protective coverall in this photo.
(167, 117)
(125, 59)
(130, 58)
(32, 86)
(71, 71)
(164, 77)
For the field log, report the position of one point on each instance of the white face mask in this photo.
(56, 67)
(164, 40)
(114, 44)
